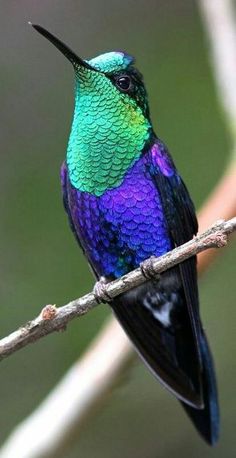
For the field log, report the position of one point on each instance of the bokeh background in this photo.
(40, 262)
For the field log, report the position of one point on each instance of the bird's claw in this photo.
(100, 292)
(148, 270)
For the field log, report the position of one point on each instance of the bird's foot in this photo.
(100, 292)
(147, 269)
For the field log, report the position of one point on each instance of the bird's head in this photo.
(111, 108)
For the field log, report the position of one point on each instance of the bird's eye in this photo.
(124, 83)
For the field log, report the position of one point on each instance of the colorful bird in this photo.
(126, 202)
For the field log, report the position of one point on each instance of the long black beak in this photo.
(68, 53)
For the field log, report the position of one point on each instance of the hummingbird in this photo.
(127, 202)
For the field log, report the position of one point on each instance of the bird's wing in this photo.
(182, 224)
(162, 317)
(181, 221)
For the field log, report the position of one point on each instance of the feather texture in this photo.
(150, 213)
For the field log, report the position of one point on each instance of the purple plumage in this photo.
(125, 225)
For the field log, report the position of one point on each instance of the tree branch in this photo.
(220, 24)
(55, 319)
(220, 21)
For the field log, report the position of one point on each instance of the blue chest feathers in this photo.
(124, 226)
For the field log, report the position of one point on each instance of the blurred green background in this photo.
(40, 262)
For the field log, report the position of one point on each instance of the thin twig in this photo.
(55, 319)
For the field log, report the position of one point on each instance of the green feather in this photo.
(109, 130)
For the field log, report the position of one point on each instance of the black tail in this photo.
(155, 316)
(206, 420)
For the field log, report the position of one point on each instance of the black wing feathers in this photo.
(182, 223)
(162, 317)
(160, 335)
(173, 344)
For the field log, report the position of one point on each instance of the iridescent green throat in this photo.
(108, 134)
